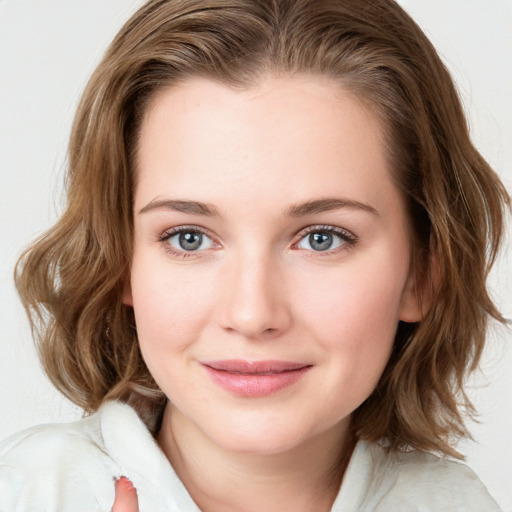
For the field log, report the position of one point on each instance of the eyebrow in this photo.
(295, 210)
(191, 207)
(326, 205)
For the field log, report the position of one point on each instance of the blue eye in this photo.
(188, 240)
(320, 240)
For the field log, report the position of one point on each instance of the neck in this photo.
(304, 478)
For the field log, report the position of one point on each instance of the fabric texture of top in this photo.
(71, 467)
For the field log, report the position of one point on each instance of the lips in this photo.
(255, 378)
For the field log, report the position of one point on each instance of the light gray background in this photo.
(47, 51)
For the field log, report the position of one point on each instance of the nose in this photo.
(255, 303)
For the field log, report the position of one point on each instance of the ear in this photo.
(410, 302)
(420, 289)
(127, 297)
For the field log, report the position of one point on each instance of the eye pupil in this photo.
(320, 241)
(190, 241)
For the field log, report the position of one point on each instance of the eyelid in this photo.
(326, 228)
(349, 238)
(169, 233)
(185, 228)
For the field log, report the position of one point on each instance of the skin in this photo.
(257, 288)
(126, 496)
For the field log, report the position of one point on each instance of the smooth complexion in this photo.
(269, 237)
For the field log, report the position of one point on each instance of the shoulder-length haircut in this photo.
(71, 280)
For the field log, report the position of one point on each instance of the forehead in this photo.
(303, 134)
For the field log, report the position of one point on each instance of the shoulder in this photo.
(72, 467)
(57, 463)
(413, 481)
(61, 440)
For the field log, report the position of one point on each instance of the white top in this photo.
(72, 467)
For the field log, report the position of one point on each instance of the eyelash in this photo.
(349, 239)
(167, 235)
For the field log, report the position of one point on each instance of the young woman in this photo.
(268, 286)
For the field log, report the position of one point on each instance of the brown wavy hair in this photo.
(71, 280)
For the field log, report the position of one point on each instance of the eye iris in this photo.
(190, 241)
(320, 241)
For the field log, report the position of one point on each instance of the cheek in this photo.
(355, 317)
(353, 299)
(171, 304)
(355, 325)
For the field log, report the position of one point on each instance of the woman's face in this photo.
(272, 258)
